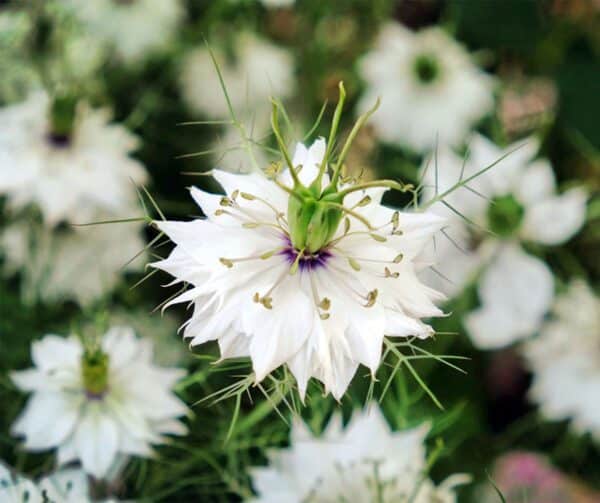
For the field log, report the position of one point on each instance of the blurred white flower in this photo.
(317, 297)
(517, 201)
(277, 3)
(565, 361)
(64, 486)
(81, 264)
(70, 177)
(364, 462)
(97, 404)
(255, 71)
(431, 91)
(134, 28)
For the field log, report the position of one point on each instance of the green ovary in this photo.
(94, 372)
(505, 215)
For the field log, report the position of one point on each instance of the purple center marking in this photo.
(59, 140)
(307, 262)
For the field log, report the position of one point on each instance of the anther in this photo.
(325, 304)
(378, 238)
(354, 264)
(398, 258)
(372, 298)
(390, 274)
(225, 201)
(248, 197)
(395, 221)
(226, 262)
(363, 202)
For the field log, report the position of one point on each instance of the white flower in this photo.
(95, 406)
(301, 290)
(364, 462)
(258, 71)
(133, 27)
(277, 3)
(82, 263)
(68, 485)
(516, 200)
(565, 361)
(64, 486)
(431, 91)
(69, 177)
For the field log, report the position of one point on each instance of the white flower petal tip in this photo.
(516, 292)
(563, 359)
(342, 462)
(98, 408)
(319, 300)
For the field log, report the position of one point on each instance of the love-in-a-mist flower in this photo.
(565, 360)
(65, 161)
(134, 28)
(97, 402)
(492, 215)
(430, 89)
(64, 486)
(366, 462)
(302, 269)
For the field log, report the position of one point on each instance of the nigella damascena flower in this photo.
(65, 160)
(366, 461)
(431, 90)
(302, 269)
(63, 486)
(134, 28)
(517, 200)
(565, 360)
(95, 403)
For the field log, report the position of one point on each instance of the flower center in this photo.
(504, 215)
(306, 261)
(94, 372)
(426, 68)
(62, 121)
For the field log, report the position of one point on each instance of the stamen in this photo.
(372, 298)
(266, 300)
(354, 264)
(229, 262)
(377, 237)
(296, 263)
(365, 201)
(390, 274)
(398, 258)
(322, 304)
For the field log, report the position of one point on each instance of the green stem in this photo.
(332, 133)
(357, 127)
(390, 184)
(281, 143)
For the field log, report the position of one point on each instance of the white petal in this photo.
(97, 438)
(48, 419)
(554, 220)
(516, 292)
(536, 183)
